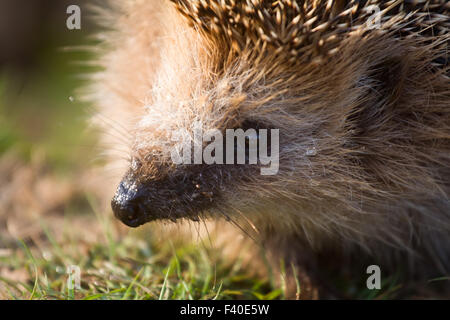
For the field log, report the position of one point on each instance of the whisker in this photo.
(110, 121)
(119, 138)
(247, 220)
(228, 218)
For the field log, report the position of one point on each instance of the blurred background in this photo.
(44, 142)
(45, 147)
(40, 69)
(43, 134)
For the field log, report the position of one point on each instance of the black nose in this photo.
(127, 205)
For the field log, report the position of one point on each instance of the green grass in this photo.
(126, 267)
(137, 266)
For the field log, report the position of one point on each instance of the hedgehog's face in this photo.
(245, 93)
(161, 187)
(299, 136)
(318, 108)
(167, 180)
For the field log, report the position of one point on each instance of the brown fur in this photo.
(372, 104)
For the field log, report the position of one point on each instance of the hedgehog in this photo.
(359, 92)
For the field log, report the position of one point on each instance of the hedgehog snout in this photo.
(127, 204)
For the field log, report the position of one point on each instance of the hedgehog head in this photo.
(326, 92)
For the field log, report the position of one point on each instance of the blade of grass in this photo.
(33, 261)
(128, 291)
(163, 288)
